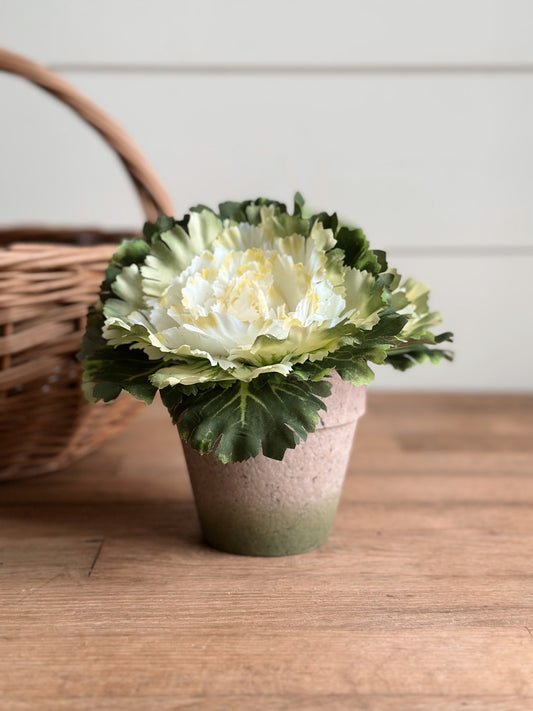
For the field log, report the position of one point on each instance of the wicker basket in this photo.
(48, 278)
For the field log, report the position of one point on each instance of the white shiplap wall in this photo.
(413, 119)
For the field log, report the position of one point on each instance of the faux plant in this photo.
(239, 317)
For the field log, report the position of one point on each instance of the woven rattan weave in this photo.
(48, 279)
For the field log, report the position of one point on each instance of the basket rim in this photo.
(65, 235)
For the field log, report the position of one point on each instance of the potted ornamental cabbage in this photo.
(257, 325)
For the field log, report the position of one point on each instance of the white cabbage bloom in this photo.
(233, 301)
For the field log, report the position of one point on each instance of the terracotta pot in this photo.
(264, 507)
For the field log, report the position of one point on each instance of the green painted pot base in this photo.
(269, 533)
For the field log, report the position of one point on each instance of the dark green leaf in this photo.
(299, 203)
(121, 367)
(232, 211)
(407, 358)
(162, 224)
(390, 324)
(106, 392)
(357, 254)
(350, 362)
(201, 208)
(92, 338)
(129, 252)
(132, 251)
(329, 222)
(446, 336)
(271, 413)
(172, 397)
(381, 258)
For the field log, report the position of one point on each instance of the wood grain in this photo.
(421, 599)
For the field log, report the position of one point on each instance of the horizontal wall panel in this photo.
(420, 162)
(299, 32)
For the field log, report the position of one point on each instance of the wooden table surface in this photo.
(421, 599)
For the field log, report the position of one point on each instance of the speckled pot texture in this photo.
(263, 507)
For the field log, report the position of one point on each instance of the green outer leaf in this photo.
(248, 210)
(357, 253)
(92, 338)
(415, 355)
(234, 211)
(329, 222)
(129, 252)
(162, 224)
(110, 369)
(133, 251)
(201, 208)
(415, 351)
(299, 204)
(446, 336)
(105, 391)
(390, 324)
(350, 360)
(381, 257)
(269, 413)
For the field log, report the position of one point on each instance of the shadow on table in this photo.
(95, 500)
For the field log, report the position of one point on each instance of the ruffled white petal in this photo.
(239, 300)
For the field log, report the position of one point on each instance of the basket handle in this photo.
(154, 198)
